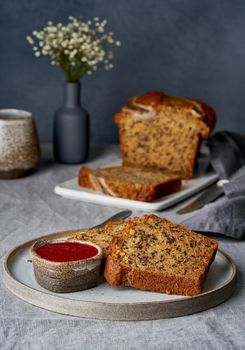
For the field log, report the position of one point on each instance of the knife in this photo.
(209, 195)
(118, 216)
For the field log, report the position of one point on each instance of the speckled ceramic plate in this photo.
(120, 303)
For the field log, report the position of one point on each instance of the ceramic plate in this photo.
(118, 303)
(70, 189)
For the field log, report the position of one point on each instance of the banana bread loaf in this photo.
(163, 132)
(130, 182)
(155, 254)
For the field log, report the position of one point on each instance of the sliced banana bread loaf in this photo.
(130, 182)
(101, 236)
(158, 255)
(163, 132)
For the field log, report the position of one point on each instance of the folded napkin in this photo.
(227, 214)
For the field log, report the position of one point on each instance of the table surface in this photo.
(29, 209)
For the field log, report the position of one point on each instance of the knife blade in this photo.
(213, 192)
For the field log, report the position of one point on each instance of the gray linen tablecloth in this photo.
(29, 208)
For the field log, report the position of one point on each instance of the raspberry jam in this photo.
(66, 251)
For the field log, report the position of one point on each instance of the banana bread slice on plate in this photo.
(130, 182)
(102, 236)
(158, 255)
(164, 132)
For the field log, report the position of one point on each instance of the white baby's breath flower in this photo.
(80, 45)
(110, 55)
(64, 44)
(110, 40)
(30, 40)
(100, 29)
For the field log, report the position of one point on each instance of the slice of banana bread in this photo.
(158, 255)
(163, 132)
(130, 182)
(101, 236)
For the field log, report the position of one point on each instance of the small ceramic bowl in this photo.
(68, 276)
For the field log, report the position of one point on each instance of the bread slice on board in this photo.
(163, 132)
(130, 182)
(158, 255)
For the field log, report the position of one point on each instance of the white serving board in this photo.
(71, 189)
(116, 303)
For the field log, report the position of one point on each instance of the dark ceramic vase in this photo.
(71, 128)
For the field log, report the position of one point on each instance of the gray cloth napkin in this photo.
(227, 214)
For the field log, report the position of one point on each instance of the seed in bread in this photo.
(130, 182)
(158, 255)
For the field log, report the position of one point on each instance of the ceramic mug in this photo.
(19, 143)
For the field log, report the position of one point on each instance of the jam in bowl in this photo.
(66, 266)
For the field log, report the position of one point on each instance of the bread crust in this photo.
(158, 100)
(117, 274)
(84, 178)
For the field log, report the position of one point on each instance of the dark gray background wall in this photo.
(190, 48)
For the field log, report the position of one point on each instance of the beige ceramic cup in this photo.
(19, 143)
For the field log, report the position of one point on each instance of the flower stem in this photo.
(73, 73)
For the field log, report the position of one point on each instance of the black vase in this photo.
(71, 128)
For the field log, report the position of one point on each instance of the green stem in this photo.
(73, 73)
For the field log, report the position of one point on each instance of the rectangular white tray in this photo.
(70, 189)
